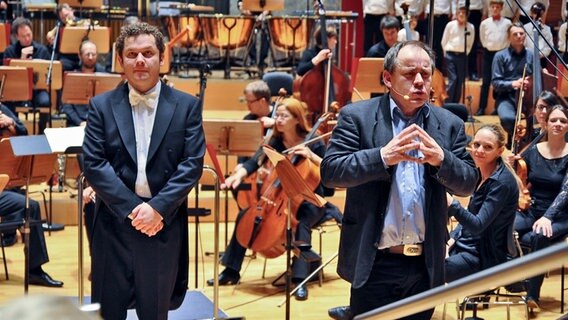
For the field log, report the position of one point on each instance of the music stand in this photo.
(70, 141)
(13, 84)
(263, 5)
(71, 38)
(297, 190)
(80, 87)
(37, 163)
(232, 137)
(40, 68)
(367, 75)
(4, 36)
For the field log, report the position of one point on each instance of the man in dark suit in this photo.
(144, 148)
(397, 156)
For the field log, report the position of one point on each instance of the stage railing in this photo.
(512, 271)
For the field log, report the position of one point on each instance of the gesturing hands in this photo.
(413, 138)
(146, 220)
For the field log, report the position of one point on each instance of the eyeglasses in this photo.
(253, 101)
(541, 107)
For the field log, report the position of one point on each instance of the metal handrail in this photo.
(512, 271)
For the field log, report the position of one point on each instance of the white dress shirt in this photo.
(509, 8)
(473, 5)
(440, 7)
(562, 38)
(378, 7)
(493, 33)
(544, 48)
(143, 117)
(453, 38)
(415, 7)
(414, 35)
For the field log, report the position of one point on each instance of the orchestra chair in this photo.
(278, 80)
(484, 299)
(6, 226)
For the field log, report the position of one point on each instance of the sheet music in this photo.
(60, 139)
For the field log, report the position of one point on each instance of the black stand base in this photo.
(53, 227)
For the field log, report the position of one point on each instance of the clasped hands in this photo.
(412, 138)
(146, 220)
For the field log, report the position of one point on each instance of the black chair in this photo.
(278, 80)
(514, 250)
(458, 109)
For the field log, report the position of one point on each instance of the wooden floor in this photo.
(255, 297)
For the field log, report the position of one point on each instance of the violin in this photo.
(323, 78)
(262, 227)
(519, 134)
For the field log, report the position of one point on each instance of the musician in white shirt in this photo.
(493, 37)
(455, 52)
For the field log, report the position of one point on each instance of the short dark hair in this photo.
(389, 22)
(391, 58)
(515, 24)
(549, 98)
(140, 29)
(259, 89)
(20, 22)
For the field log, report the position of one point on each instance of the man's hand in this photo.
(412, 138)
(27, 52)
(146, 220)
(88, 195)
(433, 154)
(543, 226)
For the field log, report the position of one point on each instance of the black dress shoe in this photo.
(340, 313)
(480, 112)
(43, 279)
(227, 277)
(302, 293)
(473, 77)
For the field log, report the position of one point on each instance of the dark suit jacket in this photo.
(174, 165)
(353, 161)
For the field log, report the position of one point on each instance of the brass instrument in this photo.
(50, 36)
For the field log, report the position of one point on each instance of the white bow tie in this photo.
(136, 98)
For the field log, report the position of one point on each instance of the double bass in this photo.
(262, 227)
(324, 78)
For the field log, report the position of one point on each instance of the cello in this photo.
(324, 78)
(262, 227)
(248, 197)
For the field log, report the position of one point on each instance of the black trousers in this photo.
(475, 19)
(13, 208)
(455, 67)
(486, 81)
(536, 241)
(461, 264)
(393, 277)
(373, 32)
(308, 216)
(440, 22)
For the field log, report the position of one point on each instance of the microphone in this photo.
(404, 96)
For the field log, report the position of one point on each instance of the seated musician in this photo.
(545, 101)
(26, 48)
(547, 164)
(508, 65)
(290, 129)
(66, 17)
(257, 96)
(480, 239)
(77, 113)
(13, 208)
(314, 56)
(389, 28)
